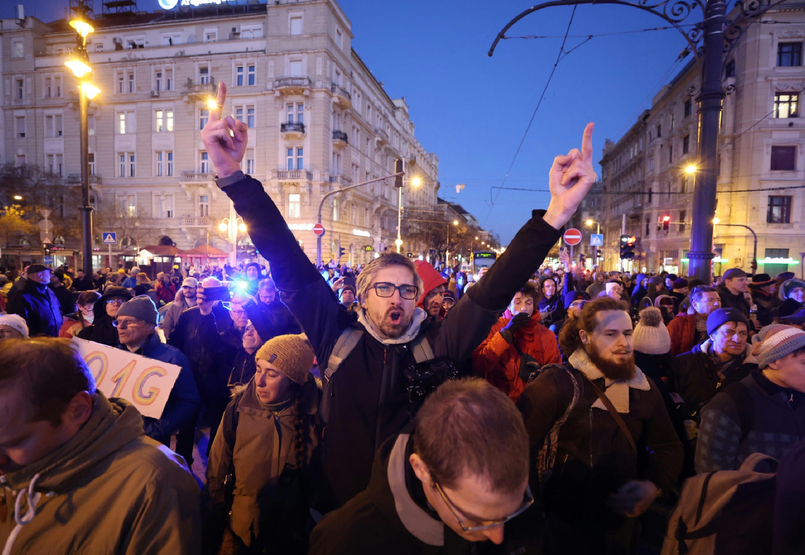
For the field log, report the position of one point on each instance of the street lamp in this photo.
(80, 67)
(227, 225)
(691, 169)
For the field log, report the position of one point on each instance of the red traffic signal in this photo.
(666, 218)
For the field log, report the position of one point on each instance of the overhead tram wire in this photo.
(539, 103)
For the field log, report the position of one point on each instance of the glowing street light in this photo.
(90, 90)
(455, 222)
(222, 227)
(242, 227)
(17, 197)
(212, 104)
(716, 220)
(416, 182)
(691, 169)
(82, 27)
(78, 67)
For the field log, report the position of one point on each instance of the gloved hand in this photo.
(513, 325)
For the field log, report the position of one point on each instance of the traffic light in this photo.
(46, 248)
(398, 169)
(666, 223)
(581, 259)
(627, 247)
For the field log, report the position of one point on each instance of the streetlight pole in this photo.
(331, 193)
(399, 242)
(708, 40)
(754, 236)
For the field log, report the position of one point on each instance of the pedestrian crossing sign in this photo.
(109, 238)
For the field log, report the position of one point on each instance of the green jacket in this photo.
(109, 490)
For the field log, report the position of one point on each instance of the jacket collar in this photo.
(419, 523)
(617, 392)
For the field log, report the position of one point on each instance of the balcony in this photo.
(382, 135)
(293, 174)
(197, 176)
(199, 91)
(75, 179)
(196, 221)
(291, 83)
(293, 128)
(340, 138)
(342, 95)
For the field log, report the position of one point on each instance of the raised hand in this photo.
(570, 178)
(225, 139)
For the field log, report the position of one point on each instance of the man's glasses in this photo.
(117, 301)
(123, 324)
(385, 289)
(486, 524)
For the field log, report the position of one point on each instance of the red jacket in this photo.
(166, 293)
(499, 362)
(682, 330)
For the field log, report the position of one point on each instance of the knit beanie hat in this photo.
(789, 286)
(680, 283)
(610, 286)
(290, 354)
(779, 342)
(140, 307)
(721, 316)
(650, 334)
(15, 322)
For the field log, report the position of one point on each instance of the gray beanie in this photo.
(140, 307)
(780, 342)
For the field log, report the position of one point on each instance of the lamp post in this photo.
(233, 224)
(754, 237)
(447, 250)
(597, 232)
(398, 175)
(711, 41)
(79, 65)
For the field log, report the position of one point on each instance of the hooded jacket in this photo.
(593, 456)
(263, 460)
(108, 490)
(553, 311)
(431, 279)
(695, 377)
(102, 330)
(368, 398)
(788, 306)
(39, 307)
(498, 361)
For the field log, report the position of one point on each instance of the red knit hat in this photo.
(431, 279)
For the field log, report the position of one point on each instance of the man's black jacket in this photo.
(369, 401)
(38, 305)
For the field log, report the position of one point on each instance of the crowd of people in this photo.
(387, 409)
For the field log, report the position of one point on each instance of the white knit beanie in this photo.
(650, 334)
(15, 322)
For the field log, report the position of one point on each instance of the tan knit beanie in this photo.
(290, 354)
(650, 334)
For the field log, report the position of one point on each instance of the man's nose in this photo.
(495, 535)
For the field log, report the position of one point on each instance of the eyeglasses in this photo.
(123, 324)
(385, 289)
(487, 524)
(117, 301)
(238, 312)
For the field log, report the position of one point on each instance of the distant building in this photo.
(761, 153)
(318, 119)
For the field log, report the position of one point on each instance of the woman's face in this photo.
(272, 385)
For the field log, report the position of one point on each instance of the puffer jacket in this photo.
(102, 330)
(39, 307)
(258, 443)
(498, 361)
(108, 490)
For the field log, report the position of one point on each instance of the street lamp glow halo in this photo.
(82, 27)
(79, 68)
(222, 226)
(242, 227)
(90, 90)
(17, 197)
(416, 182)
(455, 222)
(715, 221)
(691, 169)
(212, 104)
(590, 222)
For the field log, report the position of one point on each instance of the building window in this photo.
(335, 209)
(670, 154)
(204, 75)
(783, 158)
(249, 159)
(164, 121)
(91, 160)
(48, 87)
(17, 48)
(251, 31)
(125, 81)
(294, 205)
(295, 68)
(789, 54)
(91, 124)
(132, 168)
(19, 86)
(19, 126)
(245, 114)
(296, 112)
(296, 25)
(339, 38)
(210, 35)
(295, 162)
(684, 187)
(128, 206)
(125, 123)
(779, 210)
(685, 144)
(245, 74)
(160, 164)
(53, 125)
(659, 131)
(688, 107)
(785, 105)
(650, 196)
(300, 163)
(251, 78)
(203, 205)
(50, 161)
(682, 215)
(730, 69)
(126, 164)
(203, 118)
(204, 162)
(239, 75)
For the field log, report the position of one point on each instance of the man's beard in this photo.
(392, 329)
(615, 371)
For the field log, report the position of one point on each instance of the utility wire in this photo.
(539, 103)
(535, 37)
(660, 193)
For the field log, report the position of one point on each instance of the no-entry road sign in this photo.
(572, 236)
(318, 229)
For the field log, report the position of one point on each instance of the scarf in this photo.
(409, 335)
(617, 392)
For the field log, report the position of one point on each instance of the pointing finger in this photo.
(587, 143)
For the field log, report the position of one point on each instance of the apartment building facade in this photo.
(761, 164)
(318, 121)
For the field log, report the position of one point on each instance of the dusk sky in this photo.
(472, 110)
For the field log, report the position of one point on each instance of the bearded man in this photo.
(603, 446)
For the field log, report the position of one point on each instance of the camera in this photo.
(220, 293)
(422, 379)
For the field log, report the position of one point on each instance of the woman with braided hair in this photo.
(256, 496)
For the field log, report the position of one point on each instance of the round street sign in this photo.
(572, 236)
(318, 229)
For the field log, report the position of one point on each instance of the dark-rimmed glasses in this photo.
(385, 290)
(527, 502)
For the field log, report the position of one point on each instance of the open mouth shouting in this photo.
(395, 317)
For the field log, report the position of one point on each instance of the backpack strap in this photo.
(546, 457)
(343, 346)
(422, 349)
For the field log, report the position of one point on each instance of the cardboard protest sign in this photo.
(144, 382)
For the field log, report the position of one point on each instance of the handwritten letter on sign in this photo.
(144, 382)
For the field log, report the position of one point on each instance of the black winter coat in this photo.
(728, 300)
(102, 330)
(593, 457)
(368, 399)
(38, 305)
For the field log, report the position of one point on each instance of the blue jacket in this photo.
(184, 401)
